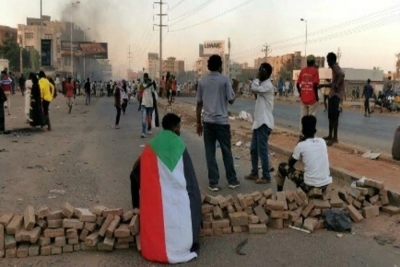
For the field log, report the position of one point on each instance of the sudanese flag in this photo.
(170, 201)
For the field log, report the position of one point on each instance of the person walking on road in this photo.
(3, 98)
(47, 95)
(335, 95)
(314, 155)
(263, 124)
(118, 102)
(6, 84)
(21, 82)
(28, 90)
(87, 91)
(367, 93)
(307, 86)
(125, 96)
(36, 112)
(147, 104)
(213, 94)
(69, 94)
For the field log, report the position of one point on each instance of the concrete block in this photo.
(15, 224)
(68, 210)
(239, 218)
(370, 212)
(257, 229)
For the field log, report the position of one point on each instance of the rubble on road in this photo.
(45, 232)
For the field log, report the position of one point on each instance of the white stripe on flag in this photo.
(177, 213)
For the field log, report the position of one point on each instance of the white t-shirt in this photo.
(314, 155)
(264, 103)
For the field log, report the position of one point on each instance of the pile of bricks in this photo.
(70, 229)
(255, 212)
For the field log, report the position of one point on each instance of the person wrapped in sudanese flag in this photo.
(165, 189)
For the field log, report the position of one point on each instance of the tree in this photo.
(286, 71)
(11, 50)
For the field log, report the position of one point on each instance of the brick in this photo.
(294, 216)
(100, 221)
(83, 235)
(290, 196)
(122, 231)
(43, 212)
(9, 241)
(134, 225)
(127, 216)
(249, 200)
(90, 226)
(363, 190)
(208, 217)
(92, 239)
(56, 223)
(15, 224)
(366, 204)
(211, 200)
(68, 249)
(237, 205)
(73, 241)
(2, 248)
(128, 239)
(60, 241)
(249, 210)
(23, 251)
(229, 198)
(208, 232)
(121, 245)
(321, 204)
(237, 229)
(245, 228)
(353, 192)
(253, 219)
(105, 225)
(298, 222)
(327, 194)
(275, 205)
(45, 250)
(276, 214)
(73, 223)
(354, 214)
(281, 196)
(34, 234)
(230, 209)
(392, 210)
(320, 225)
(52, 233)
(115, 212)
(108, 244)
(71, 233)
(85, 247)
(206, 208)
(309, 224)
(315, 192)
(5, 219)
(113, 225)
(11, 253)
(371, 191)
(275, 223)
(384, 197)
(55, 215)
(350, 200)
(44, 241)
(56, 250)
(315, 212)
(297, 199)
(378, 203)
(222, 223)
(34, 250)
(374, 199)
(308, 209)
(256, 196)
(242, 201)
(218, 232)
(68, 210)
(138, 244)
(301, 194)
(85, 215)
(136, 211)
(268, 193)
(257, 229)
(217, 212)
(357, 204)
(374, 183)
(223, 203)
(335, 200)
(239, 218)
(260, 212)
(98, 210)
(262, 201)
(207, 225)
(42, 223)
(227, 230)
(77, 247)
(370, 212)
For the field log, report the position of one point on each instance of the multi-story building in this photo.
(294, 61)
(179, 67)
(169, 65)
(153, 65)
(235, 70)
(202, 69)
(8, 33)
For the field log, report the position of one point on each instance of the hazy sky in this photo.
(366, 31)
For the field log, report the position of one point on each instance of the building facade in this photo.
(8, 33)
(153, 65)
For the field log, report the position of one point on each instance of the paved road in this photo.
(92, 162)
(373, 133)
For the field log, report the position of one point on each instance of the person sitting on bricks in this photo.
(165, 189)
(313, 152)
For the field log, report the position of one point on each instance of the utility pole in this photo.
(339, 55)
(40, 35)
(129, 58)
(229, 58)
(161, 25)
(266, 50)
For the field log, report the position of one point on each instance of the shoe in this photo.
(234, 185)
(263, 181)
(251, 177)
(143, 135)
(116, 127)
(214, 188)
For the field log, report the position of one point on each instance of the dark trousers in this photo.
(366, 106)
(259, 149)
(326, 97)
(2, 117)
(124, 105)
(118, 115)
(333, 116)
(222, 134)
(87, 98)
(46, 106)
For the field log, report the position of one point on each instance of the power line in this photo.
(219, 15)
(176, 5)
(191, 12)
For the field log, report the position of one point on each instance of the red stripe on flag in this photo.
(152, 235)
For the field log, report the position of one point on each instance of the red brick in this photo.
(11, 253)
(370, 212)
(242, 201)
(55, 215)
(268, 193)
(374, 199)
(85, 215)
(73, 241)
(315, 212)
(52, 233)
(374, 183)
(83, 235)
(237, 205)
(90, 226)
(262, 201)
(253, 219)
(98, 210)
(223, 203)
(44, 241)
(281, 196)
(275, 205)
(357, 204)
(249, 210)
(392, 210)
(71, 233)
(56, 250)
(92, 239)
(256, 196)
(211, 200)
(384, 197)
(29, 218)
(315, 192)
(298, 199)
(60, 241)
(310, 223)
(301, 194)
(249, 200)
(42, 223)
(230, 209)
(227, 230)
(56, 223)
(208, 217)
(354, 214)
(206, 208)
(298, 223)
(73, 223)
(321, 204)
(290, 196)
(127, 216)
(45, 250)
(237, 229)
(68, 248)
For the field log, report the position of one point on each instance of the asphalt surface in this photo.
(375, 132)
(96, 162)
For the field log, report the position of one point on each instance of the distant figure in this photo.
(47, 95)
(87, 91)
(69, 94)
(3, 98)
(118, 102)
(28, 90)
(21, 82)
(5, 82)
(367, 93)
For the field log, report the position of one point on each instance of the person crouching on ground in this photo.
(314, 154)
(169, 198)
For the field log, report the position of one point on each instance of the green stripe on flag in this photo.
(168, 147)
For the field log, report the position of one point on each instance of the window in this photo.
(48, 36)
(29, 35)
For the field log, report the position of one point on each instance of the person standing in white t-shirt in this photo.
(28, 88)
(313, 152)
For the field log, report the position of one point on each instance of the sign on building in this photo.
(85, 49)
(214, 48)
(46, 52)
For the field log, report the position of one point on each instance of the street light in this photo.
(71, 45)
(84, 58)
(305, 49)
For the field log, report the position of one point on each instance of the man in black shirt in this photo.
(87, 91)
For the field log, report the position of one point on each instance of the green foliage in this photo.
(10, 50)
(286, 71)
